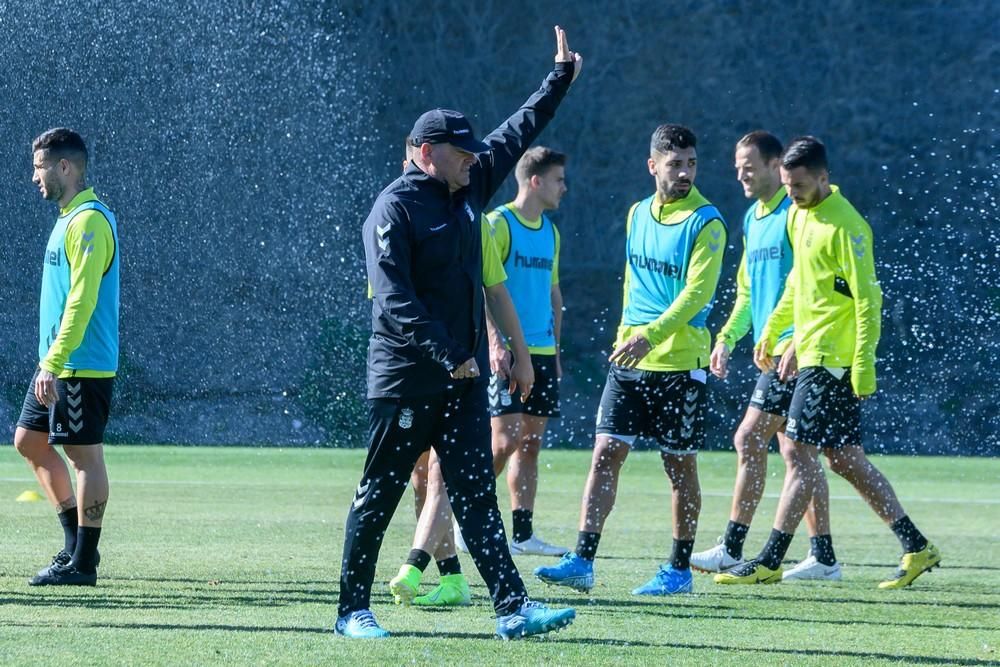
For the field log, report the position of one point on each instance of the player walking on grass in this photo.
(760, 280)
(424, 260)
(834, 301)
(69, 397)
(675, 240)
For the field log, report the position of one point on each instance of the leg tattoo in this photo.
(64, 505)
(96, 511)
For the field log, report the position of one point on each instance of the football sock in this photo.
(449, 565)
(822, 549)
(774, 551)
(419, 559)
(586, 545)
(911, 538)
(680, 557)
(522, 525)
(736, 534)
(68, 519)
(85, 554)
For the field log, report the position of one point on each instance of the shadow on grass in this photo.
(701, 613)
(947, 566)
(112, 599)
(888, 566)
(887, 600)
(770, 651)
(774, 652)
(720, 600)
(208, 627)
(223, 582)
(549, 638)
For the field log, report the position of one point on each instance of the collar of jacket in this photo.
(418, 177)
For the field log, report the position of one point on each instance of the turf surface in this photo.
(231, 556)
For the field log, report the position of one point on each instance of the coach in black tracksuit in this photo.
(423, 251)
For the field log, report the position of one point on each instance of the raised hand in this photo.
(564, 55)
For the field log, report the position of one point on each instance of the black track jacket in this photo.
(423, 254)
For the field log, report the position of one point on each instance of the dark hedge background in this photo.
(241, 144)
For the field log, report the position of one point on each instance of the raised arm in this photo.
(515, 135)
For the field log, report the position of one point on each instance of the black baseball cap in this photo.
(444, 126)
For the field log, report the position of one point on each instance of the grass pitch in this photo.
(231, 556)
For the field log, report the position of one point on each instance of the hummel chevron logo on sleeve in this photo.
(859, 247)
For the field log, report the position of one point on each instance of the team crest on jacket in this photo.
(406, 418)
(468, 210)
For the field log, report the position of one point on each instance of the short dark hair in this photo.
(62, 143)
(669, 137)
(807, 151)
(768, 145)
(536, 161)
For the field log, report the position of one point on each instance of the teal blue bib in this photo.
(658, 256)
(529, 277)
(99, 349)
(769, 260)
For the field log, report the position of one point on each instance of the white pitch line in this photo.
(709, 494)
(986, 501)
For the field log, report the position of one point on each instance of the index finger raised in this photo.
(562, 47)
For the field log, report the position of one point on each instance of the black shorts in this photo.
(544, 398)
(667, 405)
(80, 415)
(771, 395)
(824, 411)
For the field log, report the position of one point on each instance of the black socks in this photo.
(822, 549)
(418, 559)
(68, 519)
(736, 534)
(449, 565)
(586, 545)
(774, 551)
(911, 538)
(522, 525)
(680, 557)
(85, 554)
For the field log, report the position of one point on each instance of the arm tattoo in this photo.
(64, 505)
(96, 511)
